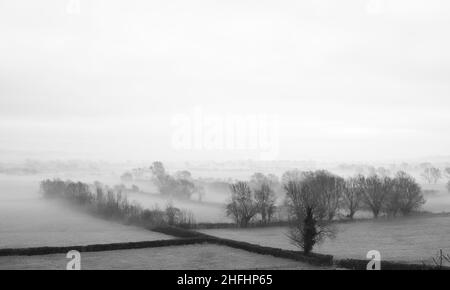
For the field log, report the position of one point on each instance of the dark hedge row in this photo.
(179, 232)
(312, 258)
(189, 237)
(233, 225)
(355, 264)
(100, 247)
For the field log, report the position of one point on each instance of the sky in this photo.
(324, 80)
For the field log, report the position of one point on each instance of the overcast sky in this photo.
(346, 80)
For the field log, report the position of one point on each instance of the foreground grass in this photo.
(413, 240)
(37, 222)
(202, 257)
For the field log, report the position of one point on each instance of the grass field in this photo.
(210, 212)
(404, 239)
(207, 257)
(26, 220)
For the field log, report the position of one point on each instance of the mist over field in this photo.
(20, 182)
(27, 220)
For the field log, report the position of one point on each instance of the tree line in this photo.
(179, 185)
(111, 203)
(314, 198)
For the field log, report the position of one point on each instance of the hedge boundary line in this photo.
(189, 237)
(186, 237)
(312, 258)
(99, 247)
(207, 226)
(356, 264)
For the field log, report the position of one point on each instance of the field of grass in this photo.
(210, 212)
(414, 239)
(195, 257)
(27, 220)
(439, 200)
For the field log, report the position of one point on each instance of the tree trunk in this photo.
(310, 232)
(376, 213)
(351, 214)
(263, 216)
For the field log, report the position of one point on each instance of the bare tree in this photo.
(242, 206)
(257, 179)
(352, 195)
(307, 212)
(265, 198)
(409, 193)
(392, 202)
(265, 201)
(157, 168)
(332, 188)
(291, 175)
(160, 178)
(273, 179)
(172, 214)
(375, 192)
(431, 174)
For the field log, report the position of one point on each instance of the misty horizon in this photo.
(354, 81)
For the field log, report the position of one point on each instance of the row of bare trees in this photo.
(401, 194)
(111, 203)
(314, 198)
(377, 194)
(248, 199)
(432, 174)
